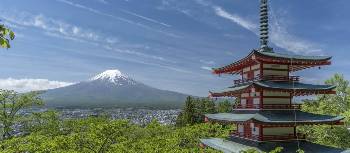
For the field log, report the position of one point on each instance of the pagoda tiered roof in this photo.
(296, 88)
(296, 62)
(270, 117)
(235, 145)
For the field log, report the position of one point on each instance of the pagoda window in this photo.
(240, 128)
(251, 72)
(256, 102)
(245, 95)
(243, 103)
(255, 94)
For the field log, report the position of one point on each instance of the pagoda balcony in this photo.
(269, 78)
(298, 136)
(268, 106)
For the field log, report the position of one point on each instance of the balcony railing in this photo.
(268, 106)
(268, 77)
(299, 136)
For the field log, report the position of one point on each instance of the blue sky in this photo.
(168, 44)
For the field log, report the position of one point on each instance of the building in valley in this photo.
(266, 116)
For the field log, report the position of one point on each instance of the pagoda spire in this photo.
(264, 27)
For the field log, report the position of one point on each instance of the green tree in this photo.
(209, 106)
(5, 36)
(338, 104)
(224, 106)
(10, 104)
(276, 150)
(194, 111)
(47, 123)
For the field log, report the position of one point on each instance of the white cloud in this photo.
(60, 29)
(207, 62)
(52, 26)
(102, 1)
(120, 18)
(235, 18)
(282, 38)
(206, 68)
(146, 18)
(25, 85)
(278, 33)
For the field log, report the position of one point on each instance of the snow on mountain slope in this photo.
(114, 76)
(112, 88)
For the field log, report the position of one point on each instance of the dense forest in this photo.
(47, 132)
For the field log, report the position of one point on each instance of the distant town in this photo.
(137, 116)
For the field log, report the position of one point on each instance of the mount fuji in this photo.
(112, 88)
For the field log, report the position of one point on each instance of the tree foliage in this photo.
(195, 109)
(5, 36)
(338, 104)
(224, 106)
(10, 104)
(102, 135)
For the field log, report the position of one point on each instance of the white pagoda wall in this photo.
(275, 69)
(278, 131)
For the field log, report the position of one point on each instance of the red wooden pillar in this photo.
(290, 100)
(247, 130)
(261, 69)
(261, 98)
(261, 137)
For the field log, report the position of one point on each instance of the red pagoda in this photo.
(265, 116)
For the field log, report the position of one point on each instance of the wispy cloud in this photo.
(120, 18)
(49, 25)
(61, 29)
(279, 34)
(209, 62)
(236, 19)
(25, 85)
(146, 18)
(102, 1)
(206, 68)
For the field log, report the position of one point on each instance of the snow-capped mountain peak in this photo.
(114, 76)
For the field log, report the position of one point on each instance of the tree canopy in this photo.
(6, 35)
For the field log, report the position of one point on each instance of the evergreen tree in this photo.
(209, 106)
(224, 106)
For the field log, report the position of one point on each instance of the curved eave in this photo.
(235, 67)
(258, 118)
(293, 57)
(299, 89)
(298, 62)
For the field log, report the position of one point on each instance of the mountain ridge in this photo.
(112, 88)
